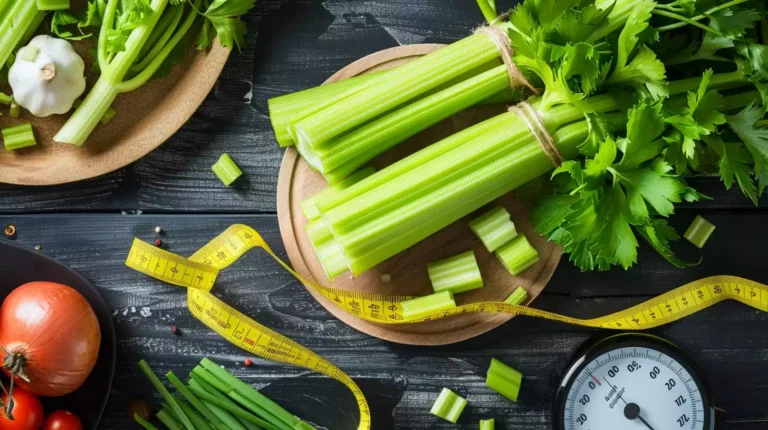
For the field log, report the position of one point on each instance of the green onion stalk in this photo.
(146, 49)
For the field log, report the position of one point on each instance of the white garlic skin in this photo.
(44, 97)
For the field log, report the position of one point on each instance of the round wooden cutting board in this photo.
(145, 119)
(408, 270)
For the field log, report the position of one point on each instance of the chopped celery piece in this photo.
(517, 255)
(5, 99)
(494, 228)
(197, 420)
(699, 231)
(226, 169)
(491, 423)
(427, 305)
(144, 423)
(248, 392)
(327, 249)
(108, 115)
(191, 398)
(504, 380)
(52, 4)
(15, 109)
(518, 297)
(20, 136)
(309, 206)
(166, 395)
(448, 406)
(165, 417)
(456, 274)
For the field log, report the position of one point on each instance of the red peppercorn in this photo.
(175, 330)
(158, 243)
(248, 362)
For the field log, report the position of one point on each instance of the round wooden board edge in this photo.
(142, 139)
(287, 231)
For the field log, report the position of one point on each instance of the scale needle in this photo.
(632, 412)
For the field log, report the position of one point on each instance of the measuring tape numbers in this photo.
(198, 274)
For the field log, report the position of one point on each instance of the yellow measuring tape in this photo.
(198, 274)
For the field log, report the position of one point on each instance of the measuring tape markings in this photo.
(199, 272)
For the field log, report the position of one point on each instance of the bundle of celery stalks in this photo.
(637, 95)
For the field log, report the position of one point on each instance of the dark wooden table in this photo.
(293, 45)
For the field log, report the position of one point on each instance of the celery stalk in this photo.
(488, 424)
(366, 142)
(448, 406)
(456, 274)
(20, 16)
(504, 380)
(52, 4)
(20, 136)
(699, 231)
(5, 99)
(517, 255)
(494, 228)
(427, 305)
(309, 206)
(226, 170)
(394, 88)
(518, 297)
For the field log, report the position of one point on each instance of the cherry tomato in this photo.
(62, 420)
(27, 412)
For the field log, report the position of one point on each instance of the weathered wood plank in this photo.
(729, 341)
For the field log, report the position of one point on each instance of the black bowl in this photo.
(20, 265)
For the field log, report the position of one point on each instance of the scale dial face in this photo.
(633, 382)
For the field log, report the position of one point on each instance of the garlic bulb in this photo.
(47, 76)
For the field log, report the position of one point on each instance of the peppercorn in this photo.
(158, 230)
(10, 231)
(158, 243)
(175, 330)
(248, 362)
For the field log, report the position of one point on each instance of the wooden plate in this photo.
(145, 119)
(408, 269)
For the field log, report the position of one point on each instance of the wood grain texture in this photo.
(729, 341)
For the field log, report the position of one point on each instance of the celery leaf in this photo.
(224, 15)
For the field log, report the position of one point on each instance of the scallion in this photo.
(228, 419)
(142, 422)
(456, 274)
(52, 4)
(17, 137)
(165, 417)
(504, 380)
(494, 228)
(699, 231)
(165, 394)
(517, 255)
(226, 170)
(518, 297)
(197, 420)
(448, 406)
(491, 423)
(196, 403)
(233, 409)
(427, 305)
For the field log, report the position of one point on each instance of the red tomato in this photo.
(27, 412)
(62, 420)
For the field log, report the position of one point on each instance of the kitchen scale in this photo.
(633, 381)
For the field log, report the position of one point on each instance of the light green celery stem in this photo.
(197, 420)
(20, 16)
(718, 81)
(518, 297)
(248, 391)
(494, 228)
(159, 37)
(488, 424)
(616, 19)
(699, 231)
(328, 250)
(448, 406)
(282, 107)
(234, 409)
(504, 380)
(517, 255)
(391, 195)
(704, 15)
(456, 274)
(4, 5)
(52, 4)
(176, 382)
(396, 87)
(17, 137)
(426, 305)
(736, 101)
(144, 423)
(368, 141)
(309, 206)
(32, 28)
(522, 166)
(85, 118)
(228, 419)
(165, 417)
(411, 162)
